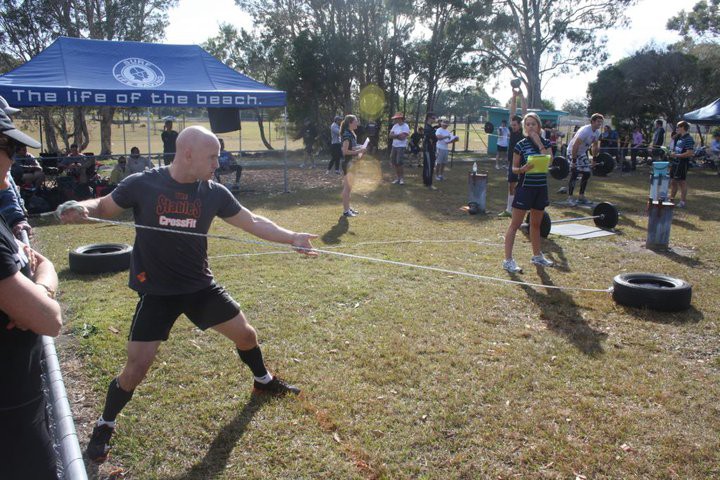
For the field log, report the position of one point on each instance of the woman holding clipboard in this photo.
(531, 157)
(350, 149)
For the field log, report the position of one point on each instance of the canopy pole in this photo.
(285, 159)
(41, 131)
(148, 135)
(124, 136)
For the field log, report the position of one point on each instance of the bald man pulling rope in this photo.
(170, 272)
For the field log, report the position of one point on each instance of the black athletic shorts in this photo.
(26, 448)
(346, 165)
(679, 168)
(156, 314)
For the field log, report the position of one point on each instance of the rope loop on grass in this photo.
(350, 255)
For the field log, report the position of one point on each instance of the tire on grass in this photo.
(100, 258)
(653, 291)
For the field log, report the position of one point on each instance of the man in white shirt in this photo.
(399, 134)
(587, 138)
(502, 143)
(444, 139)
(136, 163)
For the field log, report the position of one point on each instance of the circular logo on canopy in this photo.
(137, 72)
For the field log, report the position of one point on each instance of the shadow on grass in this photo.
(676, 256)
(332, 236)
(561, 315)
(213, 463)
(691, 315)
(686, 225)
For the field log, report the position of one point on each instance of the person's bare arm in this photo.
(268, 230)
(28, 304)
(103, 207)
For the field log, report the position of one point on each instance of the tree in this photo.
(703, 20)
(653, 83)
(538, 39)
(577, 108)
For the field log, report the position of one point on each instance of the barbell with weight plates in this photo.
(605, 215)
(560, 168)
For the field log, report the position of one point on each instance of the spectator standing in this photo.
(429, 150)
(28, 282)
(399, 134)
(168, 137)
(309, 133)
(444, 139)
(350, 150)
(502, 143)
(335, 145)
(683, 150)
(715, 149)
(136, 163)
(658, 139)
(415, 146)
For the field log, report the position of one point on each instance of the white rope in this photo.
(349, 255)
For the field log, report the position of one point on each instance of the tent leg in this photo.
(124, 135)
(148, 135)
(285, 159)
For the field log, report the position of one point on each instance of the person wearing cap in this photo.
(399, 134)
(27, 311)
(119, 171)
(429, 150)
(444, 138)
(12, 207)
(335, 145)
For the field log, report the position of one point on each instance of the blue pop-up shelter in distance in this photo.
(707, 115)
(82, 72)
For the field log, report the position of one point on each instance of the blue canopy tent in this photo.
(82, 72)
(707, 115)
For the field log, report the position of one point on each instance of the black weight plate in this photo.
(489, 127)
(560, 168)
(606, 215)
(545, 224)
(604, 164)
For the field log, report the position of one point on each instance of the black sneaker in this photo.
(275, 387)
(99, 444)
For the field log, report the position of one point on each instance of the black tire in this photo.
(653, 291)
(100, 258)
(545, 224)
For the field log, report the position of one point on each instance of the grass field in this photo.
(417, 374)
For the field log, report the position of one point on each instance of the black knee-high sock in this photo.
(253, 358)
(115, 401)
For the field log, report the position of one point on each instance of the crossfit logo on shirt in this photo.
(178, 207)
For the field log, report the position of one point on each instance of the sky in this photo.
(193, 22)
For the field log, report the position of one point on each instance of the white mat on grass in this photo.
(579, 232)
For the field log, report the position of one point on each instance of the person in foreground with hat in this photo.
(169, 269)
(335, 145)
(399, 133)
(27, 310)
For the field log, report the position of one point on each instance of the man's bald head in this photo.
(197, 152)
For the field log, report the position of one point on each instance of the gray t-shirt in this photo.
(334, 133)
(166, 263)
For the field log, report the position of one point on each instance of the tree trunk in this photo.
(80, 131)
(262, 129)
(106, 118)
(51, 145)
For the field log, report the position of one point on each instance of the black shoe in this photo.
(99, 444)
(275, 387)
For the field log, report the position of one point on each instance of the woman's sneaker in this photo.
(349, 213)
(541, 260)
(511, 266)
(99, 444)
